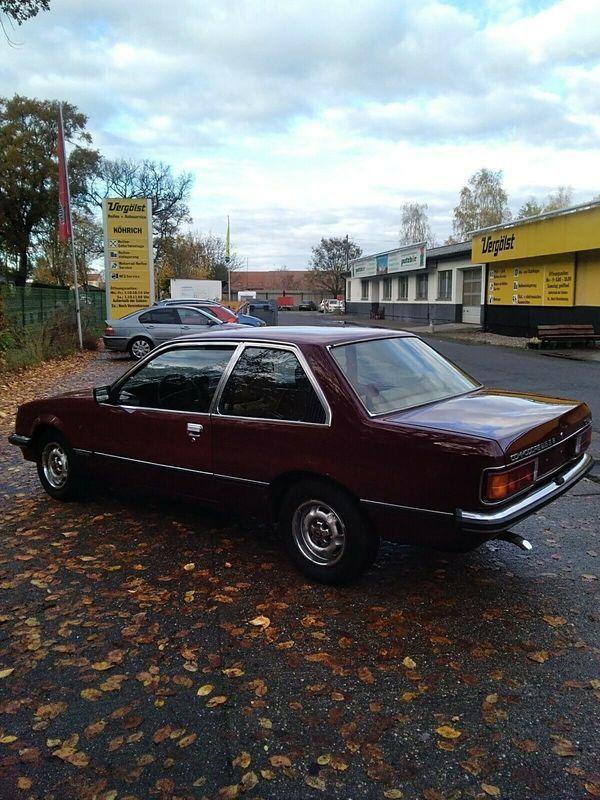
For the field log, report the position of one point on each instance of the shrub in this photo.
(56, 337)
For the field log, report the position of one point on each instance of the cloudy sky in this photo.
(310, 118)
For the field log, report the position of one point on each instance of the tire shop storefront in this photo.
(415, 285)
(542, 271)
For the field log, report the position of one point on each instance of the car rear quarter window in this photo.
(182, 379)
(400, 372)
(270, 383)
(160, 316)
(193, 316)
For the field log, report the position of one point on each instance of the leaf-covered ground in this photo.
(149, 650)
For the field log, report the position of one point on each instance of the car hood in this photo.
(511, 419)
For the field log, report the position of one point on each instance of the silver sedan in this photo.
(138, 333)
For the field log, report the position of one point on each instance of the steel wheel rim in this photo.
(55, 465)
(319, 533)
(140, 348)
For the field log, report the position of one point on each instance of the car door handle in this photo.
(186, 327)
(194, 429)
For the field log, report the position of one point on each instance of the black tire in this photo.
(139, 347)
(357, 544)
(57, 467)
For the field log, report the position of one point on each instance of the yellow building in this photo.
(544, 270)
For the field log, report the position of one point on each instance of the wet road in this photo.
(153, 650)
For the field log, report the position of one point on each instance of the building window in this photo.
(403, 287)
(422, 280)
(387, 288)
(445, 285)
(348, 290)
(364, 290)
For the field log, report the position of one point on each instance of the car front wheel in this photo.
(325, 533)
(56, 467)
(139, 347)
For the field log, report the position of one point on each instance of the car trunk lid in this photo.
(522, 424)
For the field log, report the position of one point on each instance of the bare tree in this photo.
(531, 208)
(415, 227)
(329, 263)
(562, 197)
(169, 193)
(194, 255)
(483, 202)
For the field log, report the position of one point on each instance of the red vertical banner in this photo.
(64, 217)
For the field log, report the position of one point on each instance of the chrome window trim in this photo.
(163, 348)
(407, 508)
(307, 370)
(479, 386)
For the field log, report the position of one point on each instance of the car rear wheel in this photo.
(325, 533)
(57, 468)
(139, 347)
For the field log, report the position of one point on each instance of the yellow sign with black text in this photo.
(532, 282)
(128, 259)
(565, 233)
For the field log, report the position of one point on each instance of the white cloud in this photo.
(308, 117)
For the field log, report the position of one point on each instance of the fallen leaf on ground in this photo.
(489, 789)
(448, 732)
(409, 663)
(260, 622)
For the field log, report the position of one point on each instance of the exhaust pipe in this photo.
(517, 540)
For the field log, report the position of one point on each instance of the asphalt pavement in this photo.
(154, 650)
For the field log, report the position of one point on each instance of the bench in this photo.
(567, 334)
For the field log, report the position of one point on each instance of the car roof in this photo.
(297, 334)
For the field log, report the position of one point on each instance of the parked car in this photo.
(307, 305)
(374, 434)
(218, 310)
(139, 333)
(335, 306)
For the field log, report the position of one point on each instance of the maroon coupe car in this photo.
(345, 435)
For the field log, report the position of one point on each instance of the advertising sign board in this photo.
(404, 259)
(525, 283)
(128, 262)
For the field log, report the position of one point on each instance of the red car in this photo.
(344, 435)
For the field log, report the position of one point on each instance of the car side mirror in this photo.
(102, 394)
(212, 322)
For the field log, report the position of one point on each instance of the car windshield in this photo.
(397, 373)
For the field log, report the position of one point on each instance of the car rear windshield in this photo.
(401, 372)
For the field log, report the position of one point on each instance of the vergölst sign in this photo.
(128, 263)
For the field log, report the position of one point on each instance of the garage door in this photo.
(471, 299)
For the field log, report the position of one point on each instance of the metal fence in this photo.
(30, 306)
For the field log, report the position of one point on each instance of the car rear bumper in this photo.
(117, 343)
(500, 520)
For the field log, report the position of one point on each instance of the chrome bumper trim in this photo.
(19, 441)
(498, 521)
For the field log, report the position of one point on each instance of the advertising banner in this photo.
(128, 263)
(524, 283)
(404, 259)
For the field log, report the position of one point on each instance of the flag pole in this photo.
(228, 260)
(71, 237)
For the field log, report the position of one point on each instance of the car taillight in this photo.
(506, 482)
(109, 331)
(583, 440)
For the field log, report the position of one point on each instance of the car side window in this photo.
(269, 383)
(189, 316)
(160, 316)
(182, 379)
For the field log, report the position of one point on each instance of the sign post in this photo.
(128, 261)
